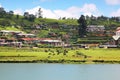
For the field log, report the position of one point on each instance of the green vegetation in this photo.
(62, 28)
(82, 26)
(27, 22)
(60, 55)
(89, 40)
(59, 21)
(65, 29)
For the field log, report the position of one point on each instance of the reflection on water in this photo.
(59, 71)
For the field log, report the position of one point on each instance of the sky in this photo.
(64, 8)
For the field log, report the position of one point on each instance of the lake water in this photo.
(38, 71)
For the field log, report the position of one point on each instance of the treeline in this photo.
(9, 18)
(103, 20)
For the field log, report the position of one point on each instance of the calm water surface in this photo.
(59, 71)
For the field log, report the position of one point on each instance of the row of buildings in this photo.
(18, 38)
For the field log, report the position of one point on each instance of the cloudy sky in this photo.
(64, 8)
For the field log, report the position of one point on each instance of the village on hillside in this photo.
(21, 39)
(31, 30)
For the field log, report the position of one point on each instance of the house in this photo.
(47, 41)
(11, 42)
(23, 35)
(28, 40)
(54, 25)
(2, 42)
(4, 33)
(7, 32)
(18, 39)
(118, 31)
(94, 28)
(8, 37)
(17, 44)
(116, 37)
(110, 33)
(52, 42)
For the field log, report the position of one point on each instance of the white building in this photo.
(93, 28)
(118, 31)
(116, 37)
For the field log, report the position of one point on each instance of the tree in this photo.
(26, 15)
(102, 17)
(9, 14)
(39, 13)
(31, 17)
(1, 9)
(17, 16)
(82, 26)
(5, 22)
(64, 18)
(2, 12)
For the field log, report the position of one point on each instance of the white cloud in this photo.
(62, 13)
(115, 13)
(49, 14)
(18, 11)
(90, 9)
(74, 9)
(33, 10)
(75, 12)
(0, 5)
(45, 12)
(113, 2)
(71, 12)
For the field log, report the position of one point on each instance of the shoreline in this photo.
(65, 61)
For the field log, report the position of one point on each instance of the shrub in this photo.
(79, 53)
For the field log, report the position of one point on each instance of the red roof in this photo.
(118, 31)
(31, 39)
(28, 39)
(44, 39)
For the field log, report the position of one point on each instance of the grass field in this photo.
(59, 55)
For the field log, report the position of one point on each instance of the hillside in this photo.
(64, 28)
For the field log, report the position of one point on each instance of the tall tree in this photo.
(82, 26)
(2, 12)
(17, 16)
(26, 15)
(9, 14)
(39, 14)
(31, 17)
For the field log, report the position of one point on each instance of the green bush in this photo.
(79, 53)
(44, 46)
(91, 41)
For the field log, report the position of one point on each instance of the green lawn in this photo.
(58, 54)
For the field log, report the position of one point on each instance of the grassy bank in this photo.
(59, 55)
